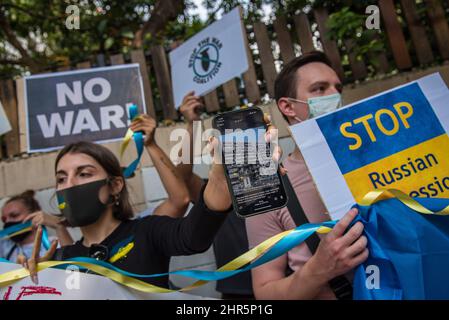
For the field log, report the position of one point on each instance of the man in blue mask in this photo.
(306, 88)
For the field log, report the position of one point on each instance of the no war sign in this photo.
(90, 104)
(394, 140)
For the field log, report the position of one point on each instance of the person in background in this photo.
(178, 196)
(231, 240)
(22, 208)
(306, 88)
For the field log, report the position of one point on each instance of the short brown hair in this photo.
(285, 83)
(110, 164)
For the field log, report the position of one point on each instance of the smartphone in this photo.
(253, 178)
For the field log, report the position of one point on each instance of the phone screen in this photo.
(252, 175)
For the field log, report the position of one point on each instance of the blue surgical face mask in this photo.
(321, 105)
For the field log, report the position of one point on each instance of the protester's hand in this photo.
(191, 107)
(41, 218)
(146, 124)
(340, 252)
(272, 136)
(217, 195)
(31, 264)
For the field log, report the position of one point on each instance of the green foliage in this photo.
(110, 26)
(183, 28)
(347, 24)
(105, 26)
(252, 10)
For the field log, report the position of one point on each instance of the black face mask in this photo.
(20, 237)
(81, 204)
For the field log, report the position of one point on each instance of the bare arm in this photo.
(270, 282)
(178, 196)
(64, 237)
(190, 109)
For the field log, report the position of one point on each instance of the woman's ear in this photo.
(117, 185)
(286, 107)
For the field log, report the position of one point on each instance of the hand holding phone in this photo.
(252, 175)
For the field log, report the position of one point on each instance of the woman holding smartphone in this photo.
(93, 195)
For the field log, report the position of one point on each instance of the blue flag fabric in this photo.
(409, 250)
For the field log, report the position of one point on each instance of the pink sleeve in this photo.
(261, 227)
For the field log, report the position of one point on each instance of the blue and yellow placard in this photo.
(397, 139)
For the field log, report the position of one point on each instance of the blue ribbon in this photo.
(18, 227)
(138, 140)
(398, 241)
(13, 229)
(45, 241)
(293, 239)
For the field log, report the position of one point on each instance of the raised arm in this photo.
(190, 109)
(191, 234)
(178, 196)
(196, 232)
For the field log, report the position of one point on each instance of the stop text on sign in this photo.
(403, 111)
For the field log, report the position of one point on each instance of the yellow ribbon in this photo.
(383, 194)
(127, 138)
(251, 255)
(16, 275)
(125, 142)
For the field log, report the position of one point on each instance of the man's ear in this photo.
(286, 107)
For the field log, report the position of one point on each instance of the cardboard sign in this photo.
(57, 284)
(396, 139)
(90, 104)
(212, 57)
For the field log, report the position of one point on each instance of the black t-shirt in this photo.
(150, 242)
(230, 242)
